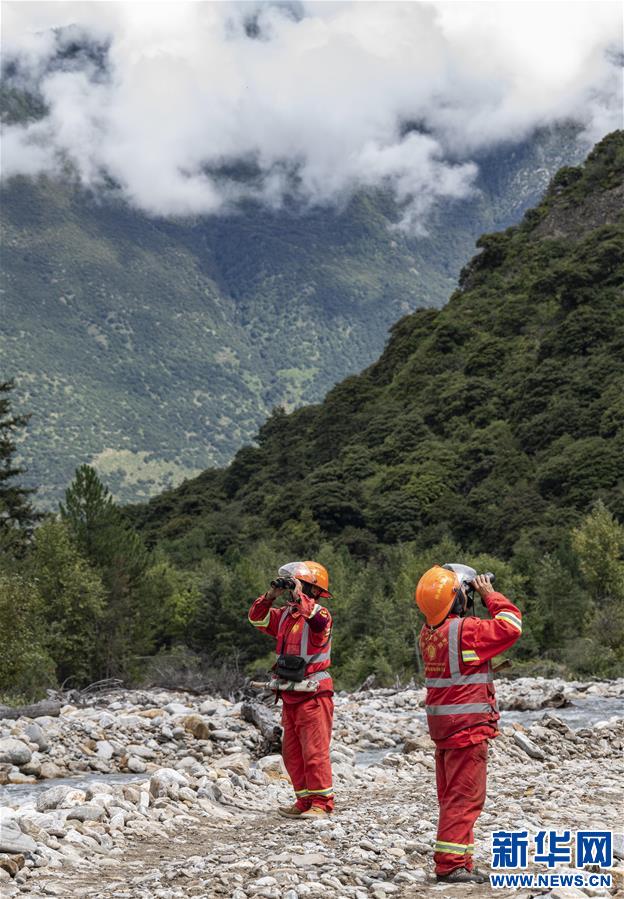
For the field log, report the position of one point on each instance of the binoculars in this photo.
(471, 588)
(487, 574)
(284, 583)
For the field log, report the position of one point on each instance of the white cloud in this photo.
(318, 102)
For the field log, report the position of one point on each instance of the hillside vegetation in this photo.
(489, 432)
(498, 417)
(154, 348)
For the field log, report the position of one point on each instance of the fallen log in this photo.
(47, 707)
(262, 717)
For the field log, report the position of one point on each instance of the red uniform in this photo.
(306, 717)
(462, 715)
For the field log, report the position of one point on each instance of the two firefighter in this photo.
(462, 714)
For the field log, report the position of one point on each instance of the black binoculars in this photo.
(284, 583)
(487, 574)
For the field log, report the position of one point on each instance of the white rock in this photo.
(136, 765)
(12, 838)
(104, 750)
(35, 734)
(52, 798)
(86, 813)
(164, 779)
(528, 746)
(176, 708)
(15, 752)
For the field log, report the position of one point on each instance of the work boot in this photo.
(462, 875)
(290, 811)
(315, 811)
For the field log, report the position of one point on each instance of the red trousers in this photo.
(461, 776)
(305, 747)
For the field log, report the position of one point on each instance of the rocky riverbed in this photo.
(194, 811)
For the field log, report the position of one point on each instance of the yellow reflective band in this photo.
(263, 623)
(327, 792)
(469, 655)
(453, 848)
(511, 619)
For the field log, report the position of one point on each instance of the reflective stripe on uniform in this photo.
(263, 623)
(511, 618)
(484, 678)
(313, 657)
(469, 655)
(456, 677)
(460, 708)
(454, 848)
(329, 791)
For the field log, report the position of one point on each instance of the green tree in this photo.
(599, 544)
(17, 516)
(104, 536)
(26, 669)
(73, 602)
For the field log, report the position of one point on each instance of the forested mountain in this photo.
(495, 420)
(156, 347)
(489, 432)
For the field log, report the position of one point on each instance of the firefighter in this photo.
(302, 629)
(461, 707)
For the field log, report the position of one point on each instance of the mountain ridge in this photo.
(506, 401)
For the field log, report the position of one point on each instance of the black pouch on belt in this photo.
(290, 667)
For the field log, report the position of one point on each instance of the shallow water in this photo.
(22, 793)
(582, 713)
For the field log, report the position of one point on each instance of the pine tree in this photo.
(103, 535)
(17, 516)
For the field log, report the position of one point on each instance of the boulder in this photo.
(176, 708)
(151, 713)
(136, 765)
(32, 767)
(273, 767)
(17, 777)
(528, 746)
(418, 744)
(50, 771)
(12, 863)
(35, 734)
(165, 781)
(12, 839)
(53, 797)
(196, 725)
(86, 813)
(238, 763)
(224, 735)
(104, 750)
(14, 751)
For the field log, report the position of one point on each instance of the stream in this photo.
(581, 713)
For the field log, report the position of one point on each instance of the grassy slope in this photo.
(497, 416)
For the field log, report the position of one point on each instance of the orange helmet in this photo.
(436, 592)
(310, 572)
